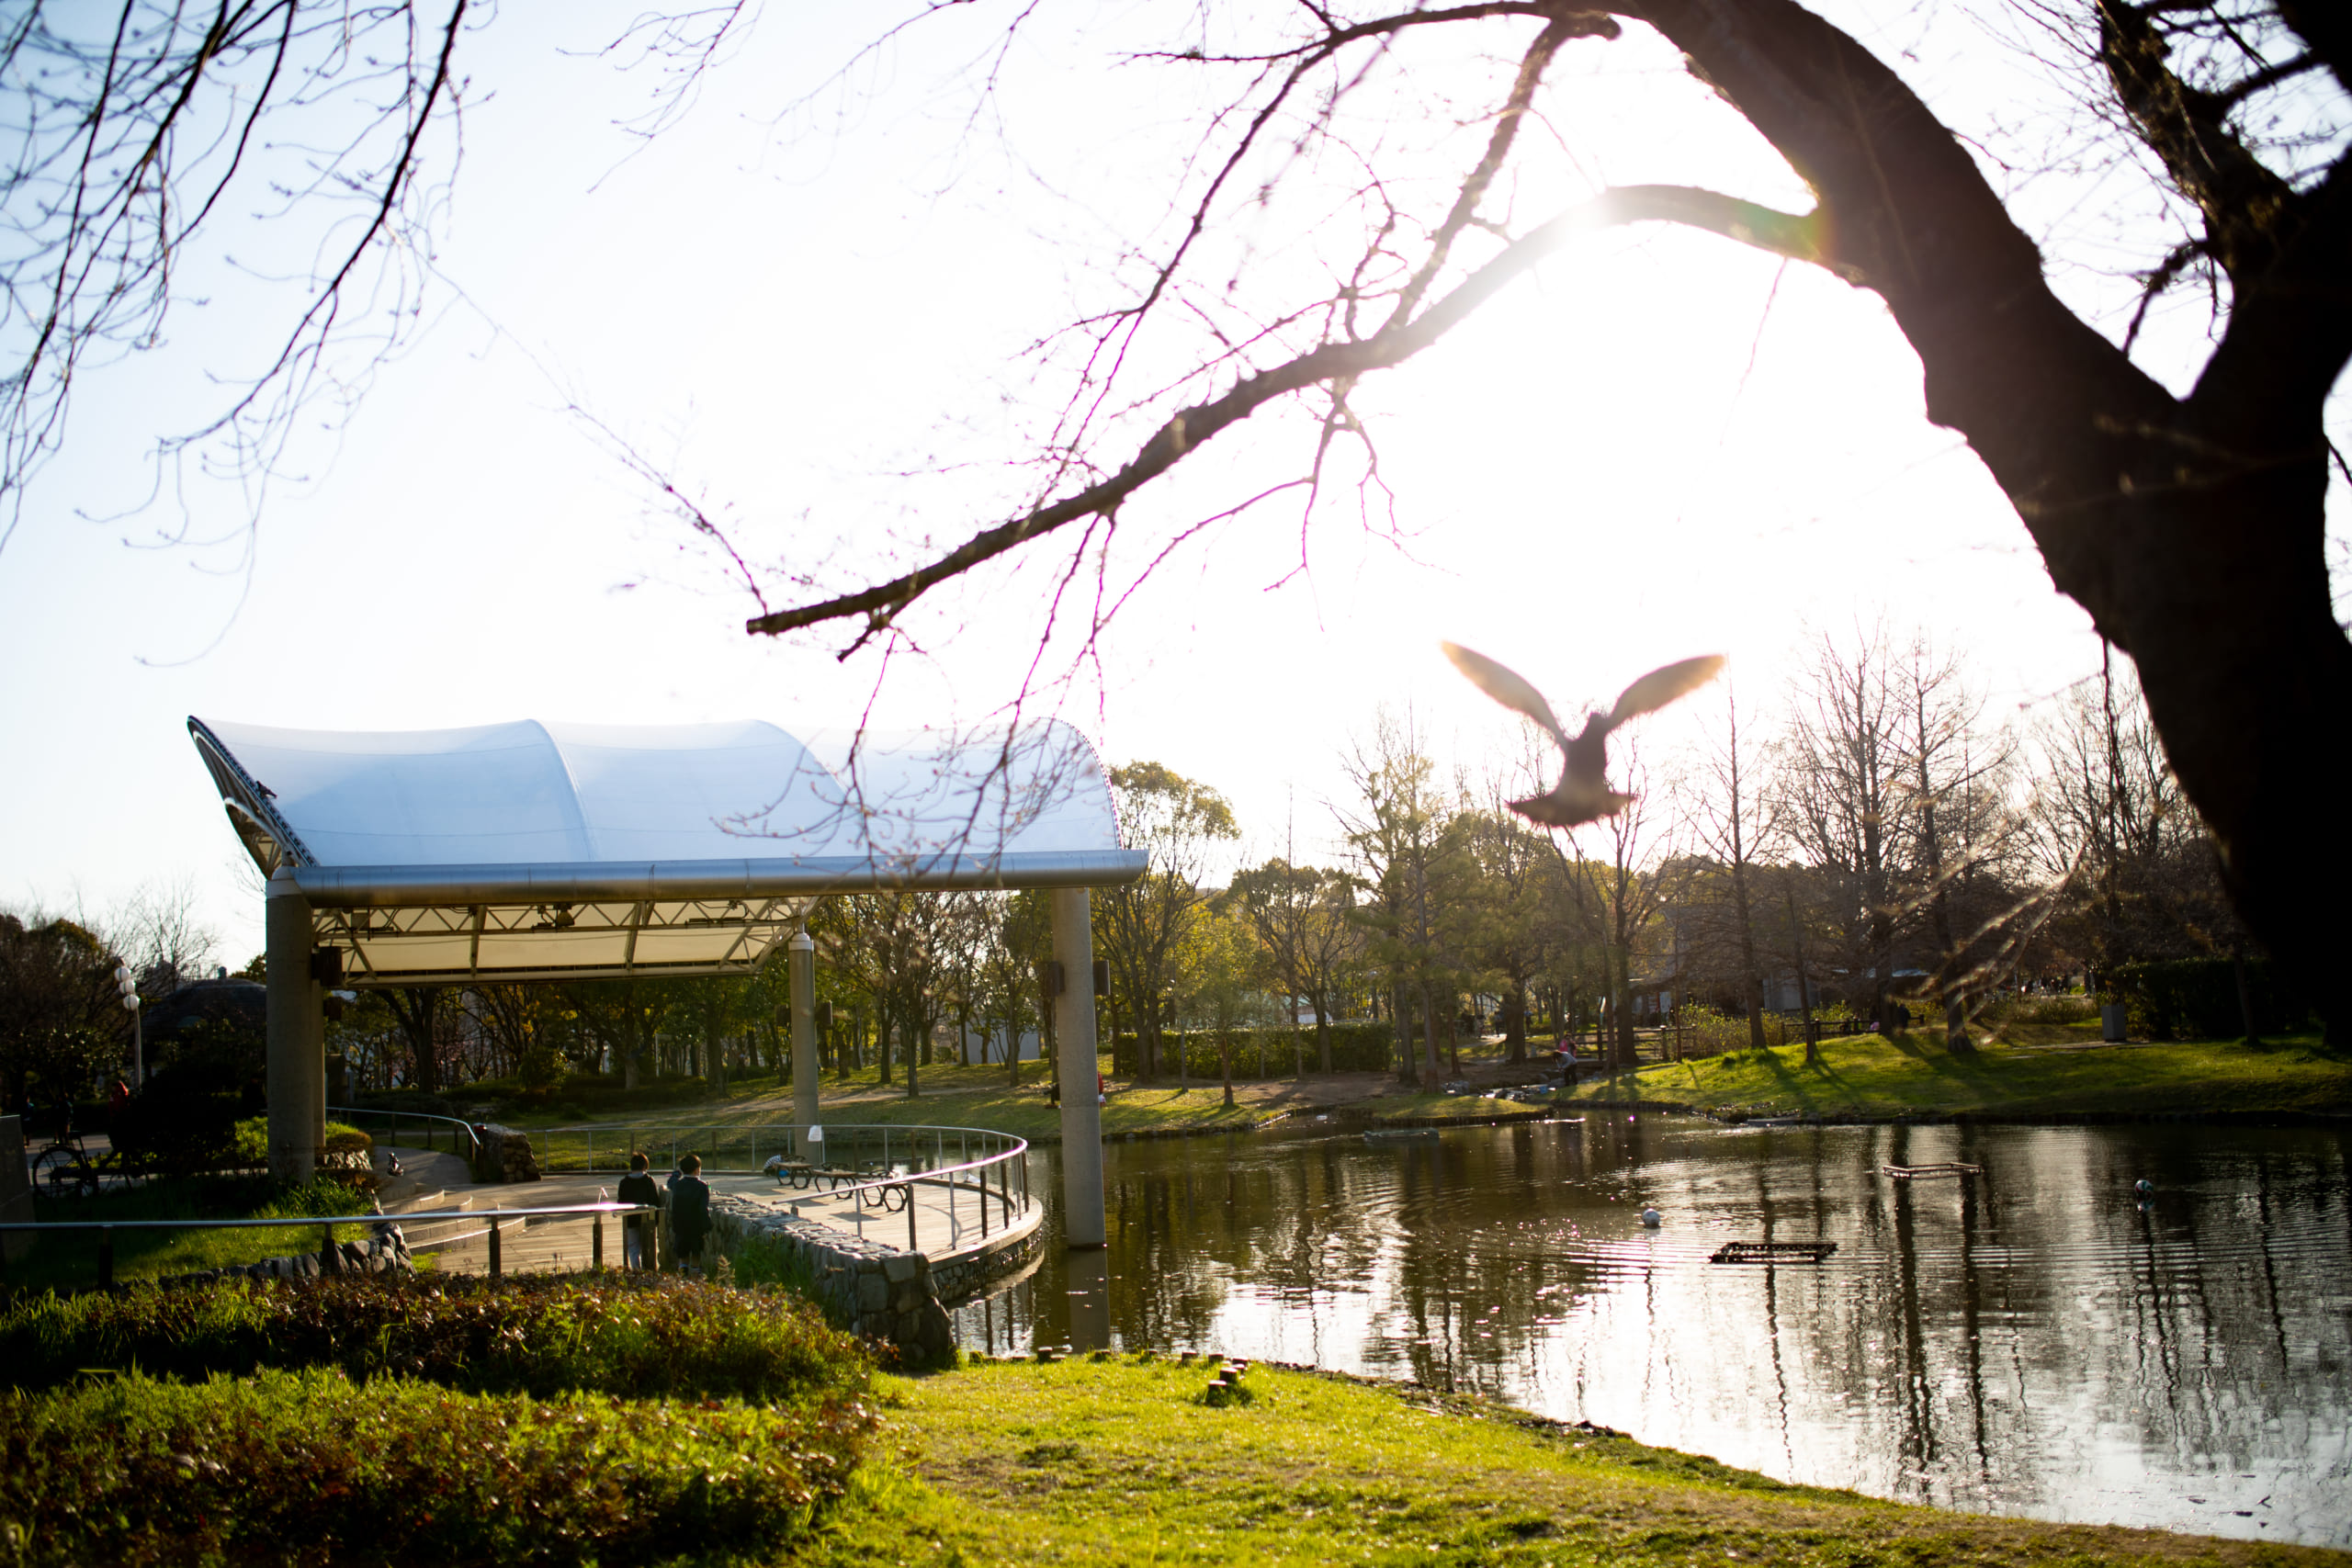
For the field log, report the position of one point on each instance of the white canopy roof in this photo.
(539, 849)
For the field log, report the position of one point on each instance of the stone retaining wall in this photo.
(968, 1273)
(879, 1291)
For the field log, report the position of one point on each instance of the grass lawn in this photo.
(953, 1095)
(1870, 1074)
(1117, 1462)
(1468, 1107)
(959, 1097)
(69, 1260)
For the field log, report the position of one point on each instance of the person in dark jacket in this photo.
(637, 1230)
(690, 1211)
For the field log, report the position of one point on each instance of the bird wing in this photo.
(1659, 687)
(1506, 685)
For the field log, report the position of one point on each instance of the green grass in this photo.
(1873, 1075)
(309, 1467)
(69, 1260)
(639, 1335)
(951, 1096)
(1469, 1107)
(1115, 1462)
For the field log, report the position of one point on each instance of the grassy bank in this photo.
(955, 1096)
(1117, 1462)
(69, 1260)
(950, 1096)
(1873, 1075)
(1466, 1108)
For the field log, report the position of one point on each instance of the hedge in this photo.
(2197, 998)
(1355, 1048)
(310, 1467)
(639, 1335)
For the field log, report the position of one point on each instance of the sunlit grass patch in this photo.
(1120, 1462)
(1465, 1106)
(1871, 1074)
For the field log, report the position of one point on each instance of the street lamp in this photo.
(129, 989)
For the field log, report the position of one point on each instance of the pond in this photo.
(2039, 1340)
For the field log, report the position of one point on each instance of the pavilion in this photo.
(546, 852)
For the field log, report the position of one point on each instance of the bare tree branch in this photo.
(1782, 233)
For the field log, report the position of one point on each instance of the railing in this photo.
(901, 1159)
(464, 1142)
(326, 1224)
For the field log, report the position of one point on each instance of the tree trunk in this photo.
(1428, 1036)
(2245, 995)
(2192, 529)
(1407, 1058)
(1805, 989)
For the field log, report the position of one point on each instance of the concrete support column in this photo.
(1074, 1029)
(803, 954)
(297, 1032)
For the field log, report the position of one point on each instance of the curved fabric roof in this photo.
(569, 831)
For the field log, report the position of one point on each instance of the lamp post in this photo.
(129, 989)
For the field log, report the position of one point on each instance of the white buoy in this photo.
(1650, 1218)
(2143, 1186)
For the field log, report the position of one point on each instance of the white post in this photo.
(1074, 1027)
(297, 1032)
(803, 953)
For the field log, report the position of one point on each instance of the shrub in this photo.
(1702, 1030)
(2197, 998)
(633, 1335)
(2042, 1010)
(180, 1135)
(308, 1467)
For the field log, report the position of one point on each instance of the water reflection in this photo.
(2034, 1341)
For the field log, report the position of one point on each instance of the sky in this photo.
(812, 320)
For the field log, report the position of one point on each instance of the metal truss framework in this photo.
(442, 944)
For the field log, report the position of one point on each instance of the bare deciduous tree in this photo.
(1841, 797)
(2191, 526)
(1730, 823)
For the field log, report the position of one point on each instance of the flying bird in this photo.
(1583, 794)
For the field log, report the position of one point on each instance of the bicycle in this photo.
(64, 1167)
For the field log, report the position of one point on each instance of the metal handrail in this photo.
(326, 1224)
(1011, 1152)
(51, 1226)
(473, 1139)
